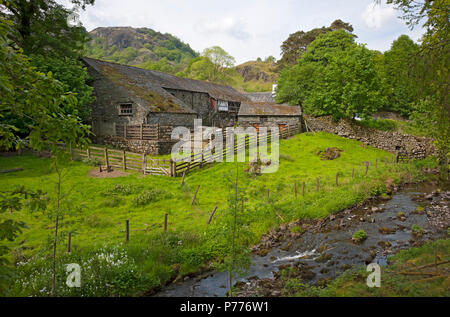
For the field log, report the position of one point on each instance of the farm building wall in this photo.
(105, 109)
(247, 121)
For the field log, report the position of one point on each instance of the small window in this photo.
(126, 109)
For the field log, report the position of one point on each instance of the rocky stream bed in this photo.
(322, 249)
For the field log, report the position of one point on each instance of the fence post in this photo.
(212, 215)
(88, 152)
(195, 195)
(71, 151)
(125, 130)
(295, 190)
(127, 230)
(165, 222)
(144, 163)
(184, 175)
(142, 131)
(124, 160)
(69, 243)
(106, 159)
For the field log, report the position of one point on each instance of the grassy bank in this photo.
(152, 258)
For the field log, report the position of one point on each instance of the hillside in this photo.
(255, 76)
(142, 47)
(149, 49)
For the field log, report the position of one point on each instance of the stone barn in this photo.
(268, 114)
(136, 109)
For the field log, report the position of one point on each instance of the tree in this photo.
(41, 29)
(397, 68)
(297, 43)
(432, 73)
(270, 59)
(41, 26)
(37, 100)
(221, 60)
(334, 77)
(215, 65)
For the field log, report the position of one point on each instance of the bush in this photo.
(121, 189)
(417, 230)
(108, 271)
(359, 236)
(149, 196)
(92, 161)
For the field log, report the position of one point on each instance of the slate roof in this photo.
(260, 96)
(268, 109)
(129, 77)
(138, 84)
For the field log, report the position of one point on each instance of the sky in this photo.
(248, 29)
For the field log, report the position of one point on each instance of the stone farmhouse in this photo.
(136, 109)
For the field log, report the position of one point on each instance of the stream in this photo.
(325, 248)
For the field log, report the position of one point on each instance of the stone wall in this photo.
(199, 102)
(172, 119)
(139, 146)
(413, 146)
(105, 109)
(268, 120)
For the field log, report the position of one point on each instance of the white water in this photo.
(298, 256)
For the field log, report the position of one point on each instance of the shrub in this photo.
(417, 230)
(149, 196)
(359, 236)
(121, 189)
(92, 161)
(108, 271)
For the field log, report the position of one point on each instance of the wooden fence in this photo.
(151, 166)
(124, 160)
(201, 159)
(150, 132)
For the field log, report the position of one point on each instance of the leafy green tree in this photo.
(37, 100)
(74, 78)
(297, 43)
(397, 67)
(215, 65)
(432, 72)
(41, 26)
(41, 29)
(334, 77)
(222, 63)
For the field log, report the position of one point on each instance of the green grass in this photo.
(105, 204)
(405, 127)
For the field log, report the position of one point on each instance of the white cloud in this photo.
(230, 26)
(377, 15)
(247, 29)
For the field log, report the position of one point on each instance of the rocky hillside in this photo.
(149, 49)
(256, 76)
(138, 46)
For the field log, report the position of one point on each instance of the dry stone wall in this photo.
(413, 146)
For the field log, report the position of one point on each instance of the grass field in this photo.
(100, 207)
